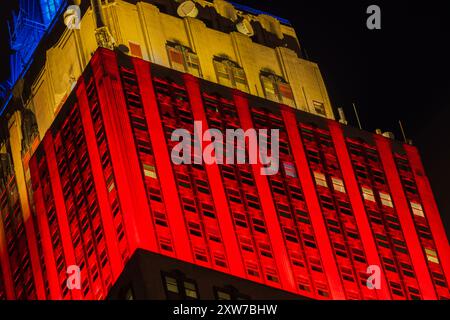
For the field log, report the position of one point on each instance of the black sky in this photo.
(398, 72)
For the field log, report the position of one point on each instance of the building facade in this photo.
(87, 177)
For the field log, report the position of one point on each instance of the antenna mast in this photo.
(357, 115)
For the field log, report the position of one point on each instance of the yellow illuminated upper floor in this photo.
(254, 53)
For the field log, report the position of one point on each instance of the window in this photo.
(431, 255)
(229, 293)
(417, 209)
(276, 88)
(320, 179)
(230, 74)
(110, 183)
(338, 184)
(177, 286)
(386, 200)
(289, 169)
(368, 194)
(129, 294)
(223, 295)
(190, 290)
(149, 171)
(183, 59)
(319, 108)
(171, 284)
(135, 50)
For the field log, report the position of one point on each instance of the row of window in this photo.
(193, 187)
(337, 211)
(422, 227)
(14, 232)
(384, 221)
(230, 74)
(177, 287)
(300, 240)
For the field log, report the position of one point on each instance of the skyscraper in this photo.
(89, 179)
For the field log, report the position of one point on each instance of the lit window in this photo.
(276, 88)
(368, 194)
(110, 183)
(319, 108)
(171, 284)
(289, 169)
(150, 171)
(338, 185)
(190, 290)
(386, 200)
(230, 74)
(129, 294)
(269, 89)
(230, 293)
(417, 209)
(320, 179)
(223, 295)
(135, 50)
(183, 59)
(432, 255)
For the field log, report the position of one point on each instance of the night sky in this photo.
(398, 72)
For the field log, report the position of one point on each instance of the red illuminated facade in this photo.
(104, 185)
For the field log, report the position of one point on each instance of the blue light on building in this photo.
(258, 12)
(26, 29)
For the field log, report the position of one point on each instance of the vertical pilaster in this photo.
(268, 205)
(359, 210)
(46, 240)
(431, 209)
(217, 188)
(163, 163)
(60, 206)
(112, 243)
(15, 138)
(4, 264)
(130, 184)
(405, 218)
(312, 201)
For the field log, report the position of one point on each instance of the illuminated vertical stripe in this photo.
(430, 209)
(60, 206)
(46, 240)
(357, 203)
(34, 257)
(163, 165)
(312, 202)
(215, 181)
(20, 163)
(130, 184)
(112, 243)
(4, 263)
(268, 207)
(404, 215)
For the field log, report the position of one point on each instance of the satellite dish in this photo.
(187, 9)
(245, 27)
(72, 17)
